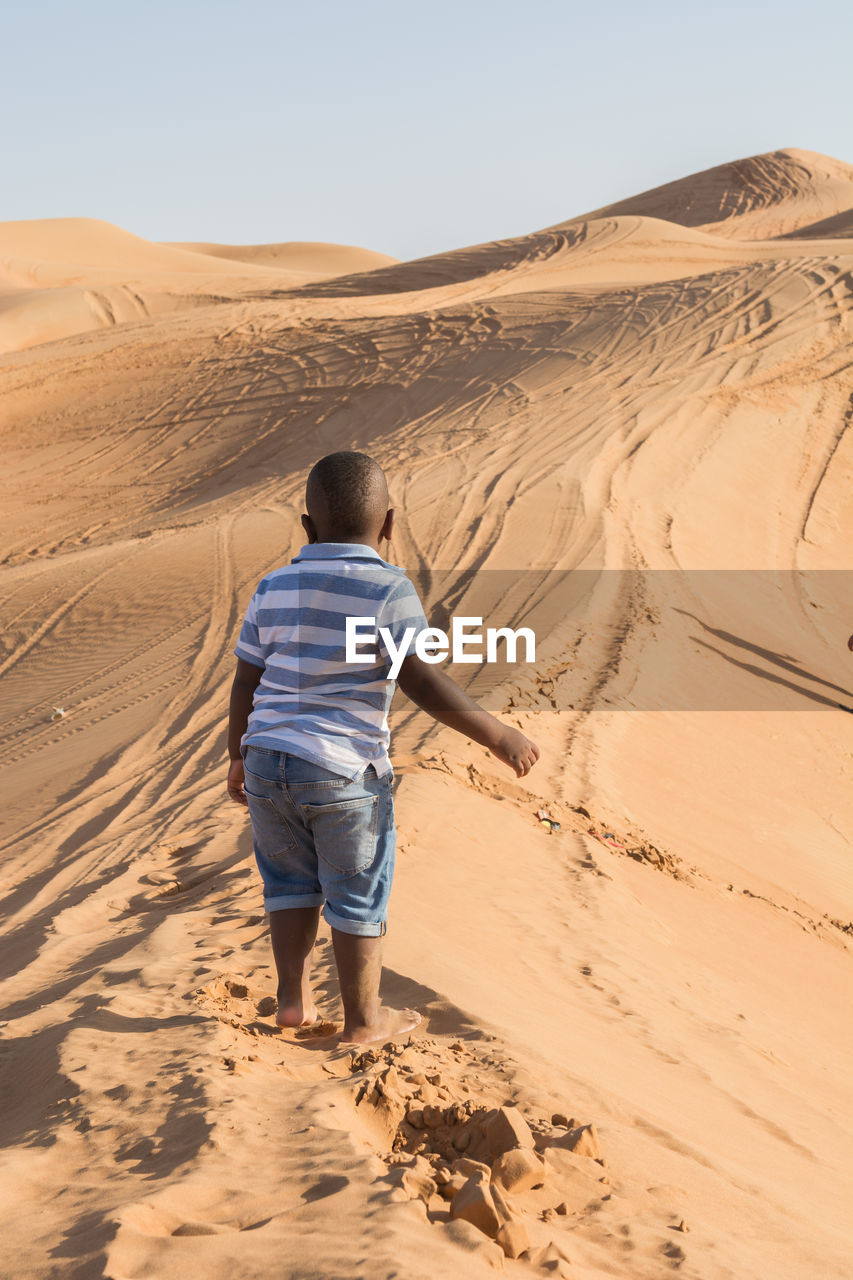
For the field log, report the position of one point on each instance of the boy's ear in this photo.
(388, 525)
(308, 526)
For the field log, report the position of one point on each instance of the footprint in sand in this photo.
(320, 1030)
(233, 1001)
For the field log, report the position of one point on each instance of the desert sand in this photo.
(657, 994)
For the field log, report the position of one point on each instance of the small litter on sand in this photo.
(58, 713)
(545, 820)
(606, 837)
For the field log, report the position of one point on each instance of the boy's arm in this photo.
(434, 692)
(246, 681)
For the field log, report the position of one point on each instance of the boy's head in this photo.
(347, 500)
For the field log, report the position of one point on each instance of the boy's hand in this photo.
(236, 778)
(516, 750)
(435, 693)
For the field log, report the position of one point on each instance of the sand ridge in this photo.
(636, 393)
(778, 193)
(61, 276)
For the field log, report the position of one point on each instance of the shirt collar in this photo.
(337, 551)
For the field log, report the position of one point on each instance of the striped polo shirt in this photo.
(310, 701)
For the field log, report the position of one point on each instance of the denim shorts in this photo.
(321, 839)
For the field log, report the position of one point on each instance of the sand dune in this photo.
(759, 196)
(61, 276)
(596, 252)
(672, 230)
(584, 416)
(305, 257)
(838, 224)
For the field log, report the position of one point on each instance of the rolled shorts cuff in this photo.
(361, 928)
(283, 901)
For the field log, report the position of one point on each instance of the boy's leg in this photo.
(292, 893)
(293, 933)
(359, 962)
(351, 828)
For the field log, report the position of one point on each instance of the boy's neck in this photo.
(365, 541)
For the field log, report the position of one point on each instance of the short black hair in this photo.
(348, 492)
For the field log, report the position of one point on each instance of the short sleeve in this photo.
(248, 646)
(401, 610)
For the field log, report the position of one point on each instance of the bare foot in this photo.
(296, 1015)
(389, 1024)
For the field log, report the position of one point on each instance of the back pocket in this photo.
(270, 829)
(344, 833)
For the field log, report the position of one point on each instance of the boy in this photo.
(308, 738)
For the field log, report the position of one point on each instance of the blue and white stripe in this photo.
(310, 701)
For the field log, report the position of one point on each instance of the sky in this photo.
(403, 127)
